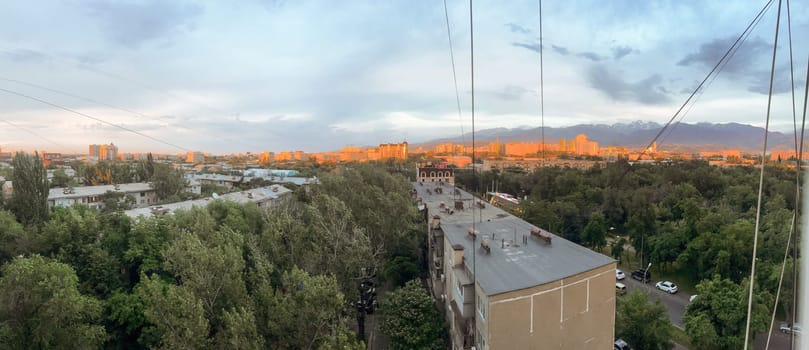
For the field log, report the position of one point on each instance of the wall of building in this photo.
(577, 312)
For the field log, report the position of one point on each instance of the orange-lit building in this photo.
(449, 148)
(352, 154)
(393, 150)
(267, 157)
(581, 145)
(195, 157)
(458, 161)
(103, 152)
(521, 149)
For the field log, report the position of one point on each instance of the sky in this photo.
(264, 75)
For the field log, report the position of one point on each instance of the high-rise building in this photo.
(103, 152)
(393, 150)
(267, 157)
(195, 157)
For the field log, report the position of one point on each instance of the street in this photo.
(676, 303)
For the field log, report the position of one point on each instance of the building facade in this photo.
(142, 193)
(439, 173)
(103, 152)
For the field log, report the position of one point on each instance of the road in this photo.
(676, 303)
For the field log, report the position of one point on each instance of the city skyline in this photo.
(316, 76)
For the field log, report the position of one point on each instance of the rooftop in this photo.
(85, 191)
(510, 265)
(214, 177)
(256, 195)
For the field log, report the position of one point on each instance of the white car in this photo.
(667, 287)
(787, 328)
(692, 298)
(619, 275)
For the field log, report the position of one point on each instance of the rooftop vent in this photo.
(484, 244)
(544, 235)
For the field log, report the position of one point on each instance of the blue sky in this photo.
(316, 75)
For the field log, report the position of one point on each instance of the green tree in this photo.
(168, 183)
(14, 239)
(212, 274)
(116, 201)
(595, 232)
(176, 319)
(722, 307)
(41, 307)
(642, 324)
(29, 201)
(411, 320)
(60, 179)
(124, 318)
(238, 331)
(303, 312)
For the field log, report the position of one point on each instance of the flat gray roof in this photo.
(256, 195)
(85, 191)
(510, 265)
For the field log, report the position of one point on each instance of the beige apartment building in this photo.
(506, 284)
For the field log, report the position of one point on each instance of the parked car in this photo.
(787, 328)
(620, 288)
(666, 286)
(620, 344)
(642, 275)
(692, 298)
(619, 275)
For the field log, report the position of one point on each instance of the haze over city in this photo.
(274, 75)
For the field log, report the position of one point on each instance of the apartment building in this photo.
(227, 181)
(141, 192)
(264, 197)
(506, 284)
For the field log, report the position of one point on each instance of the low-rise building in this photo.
(227, 181)
(264, 197)
(142, 193)
(507, 284)
(439, 173)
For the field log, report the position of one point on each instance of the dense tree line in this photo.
(226, 276)
(686, 218)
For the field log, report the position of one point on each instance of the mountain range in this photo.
(678, 137)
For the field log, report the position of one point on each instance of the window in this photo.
(432, 174)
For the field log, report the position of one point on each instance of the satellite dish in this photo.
(214, 195)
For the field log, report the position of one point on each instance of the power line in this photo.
(714, 69)
(541, 89)
(73, 96)
(752, 281)
(454, 75)
(80, 65)
(474, 176)
(798, 155)
(32, 133)
(108, 105)
(94, 118)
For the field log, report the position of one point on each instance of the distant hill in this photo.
(683, 136)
